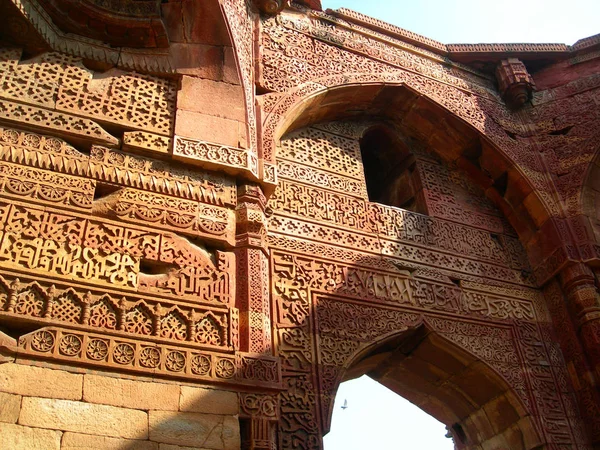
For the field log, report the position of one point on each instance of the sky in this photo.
(378, 419)
(485, 21)
(371, 406)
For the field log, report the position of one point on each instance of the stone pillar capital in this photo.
(576, 275)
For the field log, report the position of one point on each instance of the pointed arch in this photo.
(173, 324)
(448, 382)
(31, 300)
(209, 330)
(462, 129)
(103, 313)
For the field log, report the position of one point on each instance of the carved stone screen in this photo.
(213, 213)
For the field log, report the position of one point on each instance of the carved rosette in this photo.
(515, 83)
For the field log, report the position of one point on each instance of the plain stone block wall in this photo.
(16, 437)
(50, 409)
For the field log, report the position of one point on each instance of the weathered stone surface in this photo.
(10, 406)
(213, 98)
(209, 128)
(84, 418)
(410, 202)
(205, 61)
(130, 394)
(177, 447)
(40, 382)
(209, 401)
(195, 430)
(230, 72)
(77, 441)
(16, 437)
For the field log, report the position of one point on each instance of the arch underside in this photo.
(460, 390)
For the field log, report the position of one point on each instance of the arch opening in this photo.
(456, 141)
(478, 407)
(364, 405)
(390, 170)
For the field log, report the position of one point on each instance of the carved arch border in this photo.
(588, 201)
(418, 329)
(533, 200)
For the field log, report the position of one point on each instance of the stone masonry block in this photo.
(195, 430)
(10, 406)
(209, 401)
(16, 437)
(84, 418)
(130, 394)
(208, 128)
(199, 60)
(177, 447)
(213, 98)
(230, 72)
(77, 441)
(40, 382)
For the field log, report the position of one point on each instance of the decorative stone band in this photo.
(174, 214)
(38, 185)
(141, 140)
(112, 166)
(232, 160)
(59, 123)
(132, 316)
(140, 357)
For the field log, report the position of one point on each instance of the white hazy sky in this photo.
(478, 21)
(376, 418)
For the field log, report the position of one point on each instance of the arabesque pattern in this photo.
(258, 263)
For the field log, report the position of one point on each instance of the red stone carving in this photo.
(267, 268)
(514, 81)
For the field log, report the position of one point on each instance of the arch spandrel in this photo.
(300, 52)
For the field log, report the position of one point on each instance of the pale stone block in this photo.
(84, 417)
(231, 433)
(209, 401)
(213, 98)
(195, 430)
(177, 447)
(130, 393)
(208, 128)
(16, 437)
(77, 441)
(10, 406)
(40, 382)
